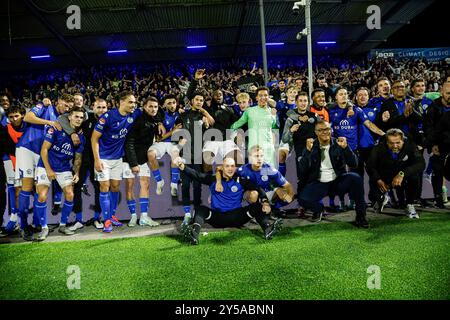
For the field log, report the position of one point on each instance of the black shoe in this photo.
(36, 229)
(439, 204)
(27, 233)
(84, 189)
(316, 217)
(89, 222)
(55, 209)
(193, 235)
(362, 223)
(273, 229)
(425, 203)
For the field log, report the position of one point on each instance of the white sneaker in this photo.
(98, 225)
(411, 211)
(173, 189)
(159, 187)
(43, 234)
(78, 225)
(133, 221)
(147, 221)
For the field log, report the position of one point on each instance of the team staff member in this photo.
(395, 163)
(435, 112)
(226, 206)
(323, 172)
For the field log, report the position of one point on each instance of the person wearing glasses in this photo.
(397, 111)
(323, 172)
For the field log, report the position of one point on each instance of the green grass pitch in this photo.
(323, 261)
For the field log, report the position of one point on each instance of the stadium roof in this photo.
(154, 30)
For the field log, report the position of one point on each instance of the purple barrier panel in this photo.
(165, 206)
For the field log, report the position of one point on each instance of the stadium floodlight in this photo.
(117, 51)
(197, 47)
(326, 42)
(46, 56)
(275, 44)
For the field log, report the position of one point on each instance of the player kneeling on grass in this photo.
(57, 153)
(279, 191)
(226, 206)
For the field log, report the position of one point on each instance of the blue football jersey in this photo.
(229, 199)
(33, 137)
(347, 127)
(267, 178)
(366, 139)
(114, 129)
(62, 152)
(169, 122)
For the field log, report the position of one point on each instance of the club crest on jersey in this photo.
(43, 176)
(50, 130)
(102, 121)
(29, 171)
(371, 114)
(234, 188)
(264, 178)
(130, 120)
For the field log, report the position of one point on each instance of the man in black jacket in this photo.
(435, 112)
(322, 171)
(298, 128)
(138, 142)
(224, 116)
(226, 206)
(397, 111)
(194, 122)
(395, 163)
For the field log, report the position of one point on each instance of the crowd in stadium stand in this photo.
(150, 80)
(378, 117)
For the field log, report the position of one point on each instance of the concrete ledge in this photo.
(171, 227)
